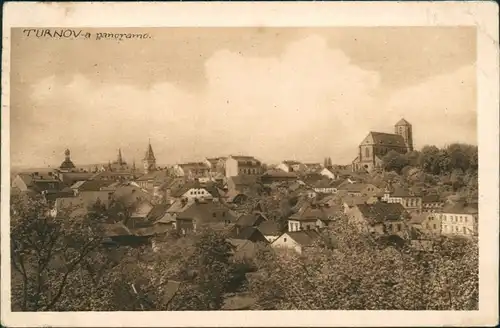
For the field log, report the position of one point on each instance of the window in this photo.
(465, 230)
(367, 152)
(223, 214)
(284, 239)
(398, 227)
(214, 214)
(435, 227)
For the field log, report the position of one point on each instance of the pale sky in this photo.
(274, 93)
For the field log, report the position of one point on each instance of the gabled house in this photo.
(196, 190)
(243, 165)
(429, 223)
(81, 204)
(312, 216)
(380, 218)
(297, 241)
(37, 182)
(203, 213)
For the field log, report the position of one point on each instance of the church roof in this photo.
(67, 164)
(403, 122)
(387, 139)
(149, 156)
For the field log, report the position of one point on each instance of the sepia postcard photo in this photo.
(250, 164)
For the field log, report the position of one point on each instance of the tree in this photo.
(210, 270)
(394, 161)
(362, 274)
(46, 253)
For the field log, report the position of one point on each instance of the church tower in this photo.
(403, 128)
(67, 165)
(149, 160)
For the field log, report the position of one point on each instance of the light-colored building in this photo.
(459, 220)
(296, 241)
(377, 144)
(243, 165)
(429, 223)
(329, 173)
(410, 201)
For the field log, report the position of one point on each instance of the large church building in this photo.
(376, 144)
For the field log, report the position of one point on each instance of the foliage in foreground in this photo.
(360, 275)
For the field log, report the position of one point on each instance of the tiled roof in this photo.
(245, 180)
(304, 237)
(381, 212)
(246, 233)
(387, 139)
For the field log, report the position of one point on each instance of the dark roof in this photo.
(291, 162)
(431, 199)
(304, 237)
(326, 183)
(461, 208)
(244, 180)
(401, 192)
(381, 212)
(90, 185)
(206, 212)
(157, 212)
(247, 220)
(310, 212)
(246, 160)
(67, 164)
(269, 228)
(279, 174)
(387, 139)
(246, 233)
(353, 187)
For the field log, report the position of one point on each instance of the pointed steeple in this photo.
(150, 156)
(119, 159)
(133, 166)
(149, 160)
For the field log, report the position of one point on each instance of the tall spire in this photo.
(150, 156)
(119, 160)
(149, 160)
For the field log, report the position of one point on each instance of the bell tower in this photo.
(404, 129)
(149, 160)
